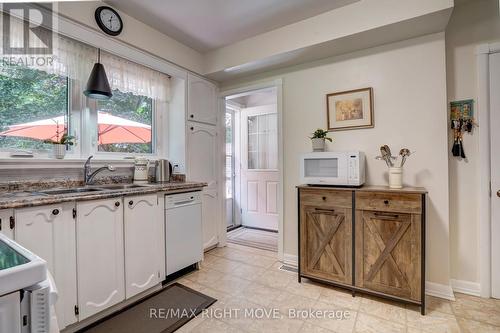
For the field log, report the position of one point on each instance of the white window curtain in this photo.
(69, 57)
(128, 76)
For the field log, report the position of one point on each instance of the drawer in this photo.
(389, 202)
(326, 198)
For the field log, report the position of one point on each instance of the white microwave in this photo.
(333, 168)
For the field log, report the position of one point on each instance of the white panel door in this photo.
(202, 100)
(7, 222)
(49, 232)
(144, 244)
(259, 167)
(495, 172)
(202, 166)
(100, 255)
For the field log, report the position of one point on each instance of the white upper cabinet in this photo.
(202, 166)
(202, 100)
(100, 255)
(49, 232)
(144, 243)
(7, 222)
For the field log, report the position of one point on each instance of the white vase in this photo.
(396, 177)
(318, 144)
(59, 151)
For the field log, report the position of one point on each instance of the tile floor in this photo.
(248, 278)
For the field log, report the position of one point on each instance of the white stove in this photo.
(27, 291)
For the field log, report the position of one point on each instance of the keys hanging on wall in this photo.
(462, 120)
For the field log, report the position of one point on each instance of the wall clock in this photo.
(109, 20)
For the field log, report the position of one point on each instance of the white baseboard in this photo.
(290, 260)
(431, 288)
(439, 290)
(466, 287)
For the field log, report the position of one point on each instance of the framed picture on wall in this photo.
(351, 109)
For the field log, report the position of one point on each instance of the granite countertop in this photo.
(30, 198)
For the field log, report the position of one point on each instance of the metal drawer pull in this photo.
(498, 193)
(386, 202)
(131, 202)
(393, 216)
(117, 204)
(327, 211)
(55, 212)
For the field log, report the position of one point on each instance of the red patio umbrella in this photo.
(111, 129)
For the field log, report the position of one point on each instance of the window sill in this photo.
(70, 162)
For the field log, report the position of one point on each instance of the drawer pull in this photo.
(324, 198)
(324, 211)
(386, 202)
(391, 216)
(117, 204)
(131, 202)
(55, 212)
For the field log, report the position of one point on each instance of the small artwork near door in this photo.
(350, 109)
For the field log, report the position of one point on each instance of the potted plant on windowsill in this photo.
(318, 139)
(60, 145)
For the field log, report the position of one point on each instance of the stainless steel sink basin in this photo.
(120, 186)
(71, 190)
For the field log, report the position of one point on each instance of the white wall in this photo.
(473, 22)
(137, 34)
(409, 82)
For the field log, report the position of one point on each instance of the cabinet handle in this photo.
(324, 211)
(131, 202)
(12, 222)
(498, 193)
(0, 224)
(55, 212)
(191, 128)
(117, 204)
(386, 202)
(392, 216)
(192, 115)
(324, 198)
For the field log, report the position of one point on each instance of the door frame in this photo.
(278, 84)
(485, 192)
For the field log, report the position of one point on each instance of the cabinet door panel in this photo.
(202, 166)
(202, 101)
(100, 255)
(144, 243)
(49, 232)
(388, 253)
(5, 226)
(326, 243)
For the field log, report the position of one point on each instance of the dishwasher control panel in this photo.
(181, 199)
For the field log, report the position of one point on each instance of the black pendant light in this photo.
(98, 85)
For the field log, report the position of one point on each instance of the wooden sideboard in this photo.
(369, 239)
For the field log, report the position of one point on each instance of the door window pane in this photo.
(125, 123)
(263, 141)
(33, 108)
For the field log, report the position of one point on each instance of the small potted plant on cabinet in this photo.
(318, 139)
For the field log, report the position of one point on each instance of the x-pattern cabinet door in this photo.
(326, 245)
(388, 253)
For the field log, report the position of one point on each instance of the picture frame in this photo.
(351, 109)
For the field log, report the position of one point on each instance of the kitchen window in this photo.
(40, 103)
(33, 108)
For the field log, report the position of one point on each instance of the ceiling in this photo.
(205, 25)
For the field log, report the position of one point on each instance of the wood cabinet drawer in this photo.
(389, 202)
(326, 198)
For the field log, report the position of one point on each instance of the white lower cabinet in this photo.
(49, 232)
(100, 255)
(144, 243)
(7, 223)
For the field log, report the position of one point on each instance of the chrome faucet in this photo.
(89, 176)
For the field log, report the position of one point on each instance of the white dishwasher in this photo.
(183, 230)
